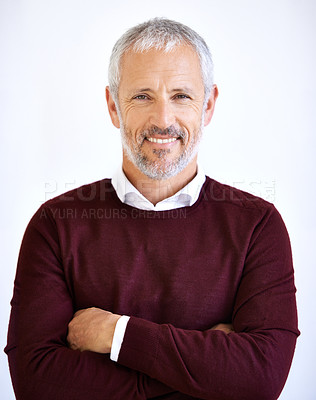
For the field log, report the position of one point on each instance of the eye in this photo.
(140, 97)
(182, 96)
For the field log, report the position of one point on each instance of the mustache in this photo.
(171, 131)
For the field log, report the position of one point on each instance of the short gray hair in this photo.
(160, 34)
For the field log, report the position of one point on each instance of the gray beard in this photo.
(161, 168)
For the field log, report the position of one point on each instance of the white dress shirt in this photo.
(128, 194)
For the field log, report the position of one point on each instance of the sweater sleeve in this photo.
(41, 364)
(251, 363)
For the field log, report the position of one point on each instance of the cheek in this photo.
(135, 124)
(190, 117)
(192, 127)
(133, 114)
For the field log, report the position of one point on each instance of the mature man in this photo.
(160, 283)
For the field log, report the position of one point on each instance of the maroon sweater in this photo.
(177, 273)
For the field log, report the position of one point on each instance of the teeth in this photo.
(154, 140)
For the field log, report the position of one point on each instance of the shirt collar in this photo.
(187, 196)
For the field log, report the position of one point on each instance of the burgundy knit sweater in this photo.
(177, 273)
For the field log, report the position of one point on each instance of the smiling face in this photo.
(161, 113)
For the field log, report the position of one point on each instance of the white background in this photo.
(56, 134)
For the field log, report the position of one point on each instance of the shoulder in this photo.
(92, 192)
(241, 212)
(69, 205)
(219, 193)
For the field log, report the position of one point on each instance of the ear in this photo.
(210, 106)
(112, 108)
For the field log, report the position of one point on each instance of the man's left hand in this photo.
(92, 329)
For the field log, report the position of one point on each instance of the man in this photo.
(161, 283)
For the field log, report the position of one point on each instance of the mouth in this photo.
(161, 141)
(162, 138)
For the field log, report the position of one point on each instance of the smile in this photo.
(154, 140)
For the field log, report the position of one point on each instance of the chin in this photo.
(159, 171)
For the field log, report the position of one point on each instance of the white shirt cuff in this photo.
(118, 337)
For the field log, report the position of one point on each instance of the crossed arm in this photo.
(252, 361)
(92, 329)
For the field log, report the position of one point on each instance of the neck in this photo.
(158, 190)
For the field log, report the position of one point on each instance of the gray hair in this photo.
(160, 34)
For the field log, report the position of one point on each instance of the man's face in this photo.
(161, 98)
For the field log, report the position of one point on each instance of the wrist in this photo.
(113, 321)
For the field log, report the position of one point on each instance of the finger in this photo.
(72, 346)
(227, 328)
(79, 313)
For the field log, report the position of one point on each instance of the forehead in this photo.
(180, 65)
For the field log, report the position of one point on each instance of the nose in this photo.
(162, 114)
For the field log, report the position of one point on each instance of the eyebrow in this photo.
(184, 89)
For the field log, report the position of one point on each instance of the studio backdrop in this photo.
(56, 133)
